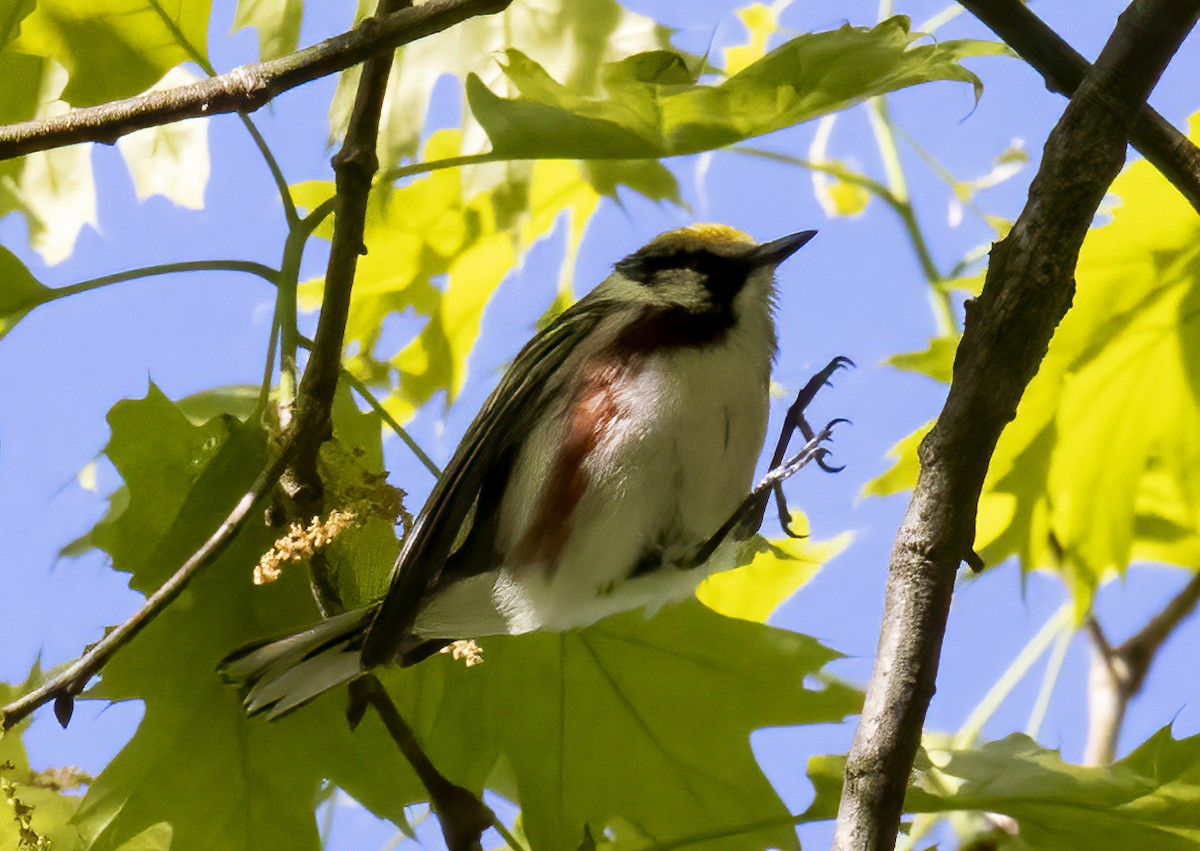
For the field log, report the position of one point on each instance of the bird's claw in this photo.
(813, 451)
(824, 465)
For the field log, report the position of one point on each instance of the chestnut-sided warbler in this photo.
(622, 437)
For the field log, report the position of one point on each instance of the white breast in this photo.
(670, 469)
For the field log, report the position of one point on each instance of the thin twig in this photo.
(243, 89)
(63, 687)
(1030, 284)
(1171, 152)
(1118, 673)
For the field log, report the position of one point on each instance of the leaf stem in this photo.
(281, 185)
(1056, 625)
(403, 171)
(287, 310)
(264, 393)
(392, 423)
(1049, 680)
(261, 270)
(885, 139)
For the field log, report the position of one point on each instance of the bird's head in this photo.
(698, 282)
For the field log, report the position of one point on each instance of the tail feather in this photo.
(286, 673)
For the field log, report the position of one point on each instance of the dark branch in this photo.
(243, 89)
(1030, 284)
(1171, 152)
(462, 816)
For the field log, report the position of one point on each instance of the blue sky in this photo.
(856, 290)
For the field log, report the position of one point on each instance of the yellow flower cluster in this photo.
(470, 653)
(300, 543)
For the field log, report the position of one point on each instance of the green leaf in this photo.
(170, 160)
(20, 291)
(937, 361)
(236, 399)
(277, 22)
(652, 115)
(258, 781)
(19, 97)
(658, 700)
(1150, 799)
(761, 22)
(572, 40)
(12, 12)
(157, 837)
(32, 805)
(21, 73)
(53, 189)
(903, 473)
(440, 249)
(773, 572)
(646, 177)
(1087, 481)
(115, 48)
(577, 728)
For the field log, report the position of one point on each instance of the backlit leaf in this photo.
(1149, 799)
(771, 575)
(21, 73)
(572, 40)
(937, 361)
(1085, 480)
(53, 189)
(1095, 480)
(651, 115)
(115, 48)
(902, 475)
(277, 22)
(761, 22)
(439, 249)
(170, 160)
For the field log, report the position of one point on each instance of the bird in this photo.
(621, 438)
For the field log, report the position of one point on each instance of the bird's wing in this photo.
(492, 439)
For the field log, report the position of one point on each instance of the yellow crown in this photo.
(700, 236)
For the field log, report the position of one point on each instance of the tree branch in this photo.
(65, 685)
(1030, 284)
(1171, 152)
(463, 817)
(1118, 673)
(243, 89)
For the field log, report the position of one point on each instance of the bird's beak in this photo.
(777, 250)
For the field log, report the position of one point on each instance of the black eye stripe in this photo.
(724, 272)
